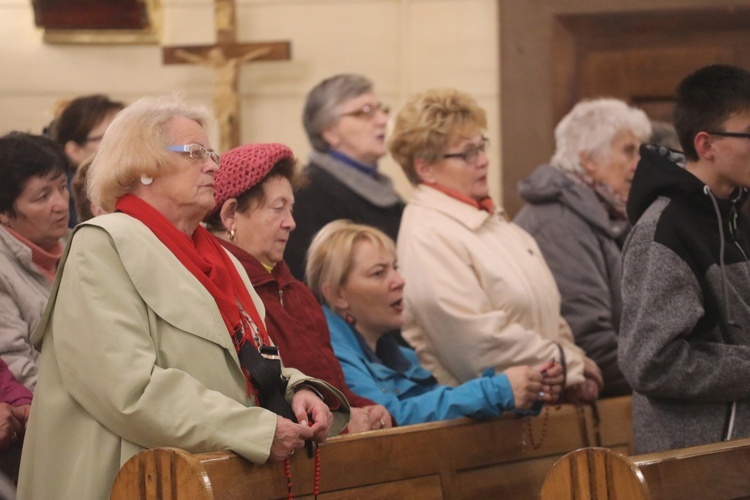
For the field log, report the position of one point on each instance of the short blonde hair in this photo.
(135, 145)
(331, 254)
(428, 122)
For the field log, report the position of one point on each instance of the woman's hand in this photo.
(359, 421)
(311, 410)
(288, 437)
(379, 417)
(526, 383)
(369, 418)
(22, 413)
(553, 377)
(12, 424)
(591, 371)
(588, 391)
(585, 392)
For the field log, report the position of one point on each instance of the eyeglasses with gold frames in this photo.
(368, 111)
(197, 152)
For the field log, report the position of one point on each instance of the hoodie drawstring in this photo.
(732, 410)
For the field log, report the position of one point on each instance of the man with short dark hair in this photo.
(685, 338)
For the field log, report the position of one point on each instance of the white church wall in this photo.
(404, 46)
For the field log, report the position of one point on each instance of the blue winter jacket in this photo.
(411, 394)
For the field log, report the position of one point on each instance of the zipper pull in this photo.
(733, 216)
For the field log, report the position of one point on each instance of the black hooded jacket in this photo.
(685, 334)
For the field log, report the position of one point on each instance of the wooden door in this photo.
(637, 53)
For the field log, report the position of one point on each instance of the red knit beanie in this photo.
(244, 167)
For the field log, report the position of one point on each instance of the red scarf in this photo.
(206, 259)
(485, 203)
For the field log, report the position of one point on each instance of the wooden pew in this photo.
(452, 459)
(716, 471)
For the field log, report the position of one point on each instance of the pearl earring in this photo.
(146, 180)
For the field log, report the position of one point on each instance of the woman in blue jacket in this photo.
(352, 270)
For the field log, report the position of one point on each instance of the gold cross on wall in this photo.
(226, 57)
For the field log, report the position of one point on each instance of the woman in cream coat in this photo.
(480, 294)
(136, 351)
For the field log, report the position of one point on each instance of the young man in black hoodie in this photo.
(684, 342)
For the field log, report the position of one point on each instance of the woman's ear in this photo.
(96, 210)
(228, 213)
(331, 136)
(588, 164)
(75, 152)
(424, 170)
(335, 297)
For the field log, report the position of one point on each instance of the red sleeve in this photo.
(300, 331)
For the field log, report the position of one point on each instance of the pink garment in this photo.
(11, 391)
(45, 261)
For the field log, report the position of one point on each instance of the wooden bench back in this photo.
(715, 471)
(451, 459)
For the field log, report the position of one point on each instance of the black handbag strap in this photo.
(264, 368)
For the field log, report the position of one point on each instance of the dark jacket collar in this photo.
(661, 172)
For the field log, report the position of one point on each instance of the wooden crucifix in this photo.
(226, 57)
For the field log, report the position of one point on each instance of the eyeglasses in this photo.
(368, 111)
(744, 135)
(197, 152)
(471, 153)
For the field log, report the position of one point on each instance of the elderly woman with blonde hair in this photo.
(153, 335)
(480, 294)
(576, 212)
(352, 269)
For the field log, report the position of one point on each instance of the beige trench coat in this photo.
(135, 355)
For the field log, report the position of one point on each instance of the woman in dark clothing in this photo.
(576, 212)
(345, 123)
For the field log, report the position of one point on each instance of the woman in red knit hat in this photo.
(253, 219)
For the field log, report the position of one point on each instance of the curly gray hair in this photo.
(590, 127)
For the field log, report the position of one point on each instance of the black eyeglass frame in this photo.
(471, 155)
(744, 135)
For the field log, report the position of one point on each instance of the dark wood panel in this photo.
(555, 53)
(510, 480)
(644, 72)
(90, 14)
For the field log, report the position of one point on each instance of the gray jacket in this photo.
(24, 291)
(685, 337)
(581, 247)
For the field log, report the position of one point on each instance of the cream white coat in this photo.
(478, 293)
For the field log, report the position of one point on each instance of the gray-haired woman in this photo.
(576, 212)
(345, 123)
